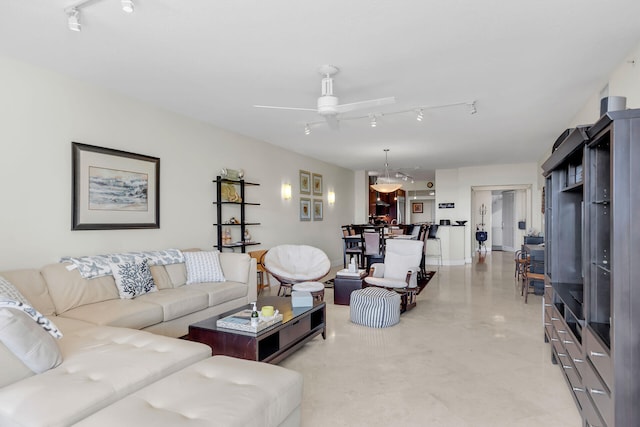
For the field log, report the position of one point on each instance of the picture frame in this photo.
(317, 210)
(305, 182)
(305, 209)
(317, 184)
(417, 207)
(113, 189)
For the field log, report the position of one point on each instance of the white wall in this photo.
(43, 112)
(454, 185)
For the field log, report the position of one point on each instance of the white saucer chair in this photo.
(294, 264)
(399, 271)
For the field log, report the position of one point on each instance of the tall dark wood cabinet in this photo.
(592, 285)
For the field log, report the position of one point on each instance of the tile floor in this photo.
(470, 354)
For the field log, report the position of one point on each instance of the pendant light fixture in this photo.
(386, 186)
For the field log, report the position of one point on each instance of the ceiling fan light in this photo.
(127, 6)
(73, 20)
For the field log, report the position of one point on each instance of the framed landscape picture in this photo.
(305, 182)
(113, 189)
(317, 184)
(317, 210)
(416, 207)
(305, 209)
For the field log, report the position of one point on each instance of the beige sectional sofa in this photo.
(122, 363)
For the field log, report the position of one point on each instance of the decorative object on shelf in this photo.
(417, 207)
(305, 182)
(232, 220)
(317, 184)
(384, 185)
(232, 174)
(317, 210)
(229, 193)
(247, 236)
(305, 209)
(226, 237)
(113, 189)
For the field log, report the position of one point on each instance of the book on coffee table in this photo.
(241, 321)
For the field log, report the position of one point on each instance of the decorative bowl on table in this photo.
(461, 222)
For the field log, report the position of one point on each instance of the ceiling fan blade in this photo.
(345, 108)
(286, 108)
(332, 121)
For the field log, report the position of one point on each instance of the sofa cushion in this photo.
(177, 273)
(236, 266)
(203, 266)
(246, 394)
(31, 285)
(133, 278)
(13, 369)
(220, 293)
(160, 276)
(178, 302)
(28, 341)
(125, 313)
(100, 366)
(69, 290)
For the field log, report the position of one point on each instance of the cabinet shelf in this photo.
(233, 181)
(236, 225)
(237, 203)
(572, 296)
(240, 244)
(573, 187)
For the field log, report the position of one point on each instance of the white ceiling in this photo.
(530, 66)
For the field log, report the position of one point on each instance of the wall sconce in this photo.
(286, 191)
(331, 198)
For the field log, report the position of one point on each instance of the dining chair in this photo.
(530, 274)
(373, 246)
(432, 235)
(352, 245)
(263, 275)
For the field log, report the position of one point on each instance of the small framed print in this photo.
(305, 182)
(305, 209)
(317, 210)
(416, 207)
(317, 184)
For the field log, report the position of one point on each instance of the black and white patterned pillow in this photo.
(133, 278)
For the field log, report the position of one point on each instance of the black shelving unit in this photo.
(592, 292)
(239, 206)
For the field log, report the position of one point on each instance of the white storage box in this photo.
(301, 299)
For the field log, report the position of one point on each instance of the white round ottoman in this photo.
(375, 307)
(316, 289)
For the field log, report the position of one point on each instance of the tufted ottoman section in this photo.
(375, 307)
(219, 391)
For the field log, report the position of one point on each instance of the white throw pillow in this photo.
(9, 291)
(30, 343)
(133, 278)
(203, 266)
(34, 314)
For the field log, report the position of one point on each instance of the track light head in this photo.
(127, 6)
(420, 115)
(307, 130)
(472, 108)
(374, 123)
(73, 20)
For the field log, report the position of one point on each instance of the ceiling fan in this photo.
(328, 104)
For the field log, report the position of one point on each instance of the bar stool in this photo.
(433, 236)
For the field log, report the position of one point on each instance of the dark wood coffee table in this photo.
(271, 345)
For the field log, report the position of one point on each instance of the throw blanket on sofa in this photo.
(98, 265)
